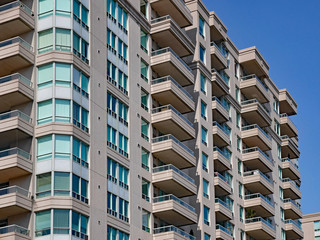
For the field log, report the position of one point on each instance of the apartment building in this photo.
(140, 119)
(311, 226)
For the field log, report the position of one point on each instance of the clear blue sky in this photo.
(287, 33)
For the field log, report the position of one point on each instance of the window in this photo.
(79, 224)
(45, 41)
(145, 100)
(123, 177)
(205, 188)
(203, 83)
(204, 137)
(123, 145)
(238, 120)
(145, 190)
(63, 40)
(43, 223)
(283, 235)
(145, 221)
(236, 70)
(241, 210)
(62, 74)
(44, 112)
(203, 110)
(112, 170)
(276, 127)
(240, 190)
(145, 159)
(123, 210)
(62, 147)
(279, 151)
(76, 44)
(316, 226)
(63, 7)
(80, 48)
(144, 7)
(144, 71)
(113, 233)
(281, 193)
(80, 188)
(239, 144)
(238, 95)
(44, 148)
(282, 214)
(276, 105)
(80, 152)
(112, 204)
(112, 137)
(123, 82)
(202, 54)
(80, 82)
(80, 117)
(123, 112)
(43, 185)
(60, 221)
(206, 212)
(201, 26)
(45, 8)
(207, 236)
(61, 184)
(62, 110)
(45, 75)
(144, 129)
(280, 172)
(144, 40)
(240, 167)
(205, 162)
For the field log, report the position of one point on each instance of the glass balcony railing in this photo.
(15, 76)
(289, 160)
(16, 40)
(172, 167)
(291, 181)
(167, 17)
(218, 200)
(222, 228)
(12, 151)
(253, 126)
(222, 50)
(166, 50)
(226, 154)
(297, 224)
(222, 75)
(14, 189)
(257, 172)
(224, 128)
(15, 113)
(250, 101)
(258, 195)
(214, 98)
(285, 137)
(248, 77)
(171, 137)
(14, 229)
(219, 175)
(171, 228)
(169, 107)
(16, 4)
(288, 200)
(256, 149)
(174, 198)
(260, 219)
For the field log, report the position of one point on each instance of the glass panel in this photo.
(84, 83)
(76, 8)
(62, 109)
(75, 221)
(62, 146)
(84, 15)
(76, 112)
(84, 188)
(43, 221)
(43, 187)
(63, 40)
(63, 7)
(45, 112)
(60, 221)
(63, 74)
(45, 8)
(44, 148)
(76, 44)
(61, 183)
(84, 224)
(45, 41)
(45, 75)
(75, 184)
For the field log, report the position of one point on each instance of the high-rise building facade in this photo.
(311, 226)
(140, 119)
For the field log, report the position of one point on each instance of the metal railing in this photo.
(169, 78)
(260, 219)
(170, 107)
(16, 40)
(214, 98)
(16, 4)
(219, 175)
(173, 229)
(298, 205)
(12, 151)
(174, 198)
(14, 229)
(225, 154)
(225, 130)
(250, 101)
(256, 149)
(257, 172)
(291, 181)
(226, 80)
(244, 78)
(14, 189)
(221, 50)
(172, 167)
(285, 137)
(14, 77)
(258, 195)
(15, 113)
(219, 227)
(171, 137)
(218, 200)
(288, 221)
(253, 126)
(166, 50)
(289, 160)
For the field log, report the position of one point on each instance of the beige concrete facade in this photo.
(140, 119)
(310, 226)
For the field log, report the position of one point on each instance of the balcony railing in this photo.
(16, 40)
(257, 172)
(214, 98)
(289, 160)
(14, 229)
(219, 175)
(256, 149)
(298, 225)
(285, 137)
(166, 50)
(222, 76)
(171, 137)
(253, 126)
(12, 151)
(218, 226)
(167, 17)
(293, 202)
(227, 155)
(221, 49)
(169, 78)
(260, 219)
(173, 229)
(172, 167)
(250, 101)
(224, 129)
(218, 200)
(15, 113)
(16, 4)
(169, 107)
(174, 198)
(293, 182)
(15, 76)
(244, 78)
(258, 195)
(14, 189)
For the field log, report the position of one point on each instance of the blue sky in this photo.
(287, 33)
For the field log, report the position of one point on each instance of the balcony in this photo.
(287, 126)
(166, 32)
(287, 104)
(293, 230)
(173, 210)
(14, 232)
(252, 87)
(218, 31)
(171, 233)
(14, 163)
(15, 54)
(15, 19)
(177, 9)
(13, 201)
(292, 209)
(253, 135)
(15, 90)
(15, 124)
(290, 169)
(255, 113)
(221, 136)
(259, 228)
(171, 151)
(260, 204)
(220, 113)
(223, 233)
(223, 210)
(166, 62)
(290, 189)
(220, 86)
(221, 185)
(218, 57)
(168, 120)
(253, 62)
(172, 180)
(256, 181)
(289, 147)
(222, 160)
(166, 91)
(254, 158)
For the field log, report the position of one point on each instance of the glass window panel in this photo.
(43, 187)
(45, 8)
(44, 148)
(63, 39)
(45, 112)
(75, 221)
(84, 82)
(84, 15)
(62, 146)
(76, 8)
(45, 41)
(63, 7)
(63, 74)
(75, 184)
(76, 44)
(43, 220)
(61, 183)
(84, 224)
(84, 188)
(62, 110)
(84, 152)
(60, 221)
(45, 75)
